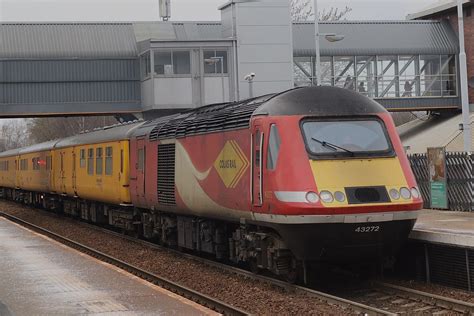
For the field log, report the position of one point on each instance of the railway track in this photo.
(401, 300)
(378, 299)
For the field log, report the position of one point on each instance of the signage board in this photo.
(438, 177)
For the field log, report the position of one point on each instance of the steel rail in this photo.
(325, 297)
(428, 298)
(183, 291)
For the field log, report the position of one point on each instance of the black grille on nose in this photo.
(365, 195)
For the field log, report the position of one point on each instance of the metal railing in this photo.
(460, 179)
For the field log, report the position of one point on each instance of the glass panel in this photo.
(182, 62)
(430, 80)
(145, 65)
(163, 63)
(345, 137)
(326, 71)
(90, 161)
(273, 148)
(344, 72)
(141, 159)
(366, 75)
(448, 75)
(214, 67)
(98, 161)
(387, 76)
(407, 77)
(82, 160)
(303, 71)
(108, 161)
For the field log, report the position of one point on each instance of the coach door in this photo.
(140, 172)
(257, 164)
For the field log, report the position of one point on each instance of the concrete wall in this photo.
(263, 30)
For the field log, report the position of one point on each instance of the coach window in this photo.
(48, 163)
(273, 147)
(82, 159)
(98, 161)
(90, 161)
(108, 161)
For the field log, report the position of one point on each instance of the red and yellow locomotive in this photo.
(310, 174)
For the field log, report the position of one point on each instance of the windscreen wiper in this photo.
(332, 146)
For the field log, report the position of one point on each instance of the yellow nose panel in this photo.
(335, 175)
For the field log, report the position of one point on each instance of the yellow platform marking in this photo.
(231, 164)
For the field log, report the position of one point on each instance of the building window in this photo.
(98, 161)
(215, 67)
(108, 161)
(172, 63)
(145, 65)
(82, 158)
(90, 161)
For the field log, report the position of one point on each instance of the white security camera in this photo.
(250, 76)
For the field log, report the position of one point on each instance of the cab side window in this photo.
(90, 161)
(141, 159)
(273, 148)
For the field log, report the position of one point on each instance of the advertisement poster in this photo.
(438, 178)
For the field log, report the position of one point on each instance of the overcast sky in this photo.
(182, 10)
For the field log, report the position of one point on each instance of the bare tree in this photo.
(44, 129)
(13, 134)
(302, 10)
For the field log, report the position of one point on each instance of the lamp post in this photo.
(330, 37)
(214, 61)
(466, 126)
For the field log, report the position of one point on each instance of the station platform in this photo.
(445, 227)
(39, 276)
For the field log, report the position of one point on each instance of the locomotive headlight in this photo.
(339, 196)
(405, 193)
(312, 197)
(394, 194)
(415, 193)
(326, 196)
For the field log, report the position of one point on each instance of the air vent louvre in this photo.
(166, 174)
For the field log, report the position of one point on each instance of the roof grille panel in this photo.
(211, 118)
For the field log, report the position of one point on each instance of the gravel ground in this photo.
(250, 295)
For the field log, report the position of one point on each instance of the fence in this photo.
(460, 179)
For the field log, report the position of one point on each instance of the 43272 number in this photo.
(367, 229)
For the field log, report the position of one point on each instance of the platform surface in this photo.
(444, 227)
(39, 276)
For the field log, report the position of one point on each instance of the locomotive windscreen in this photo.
(348, 137)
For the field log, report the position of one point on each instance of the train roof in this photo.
(38, 147)
(320, 101)
(103, 135)
(314, 101)
(106, 134)
(9, 153)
